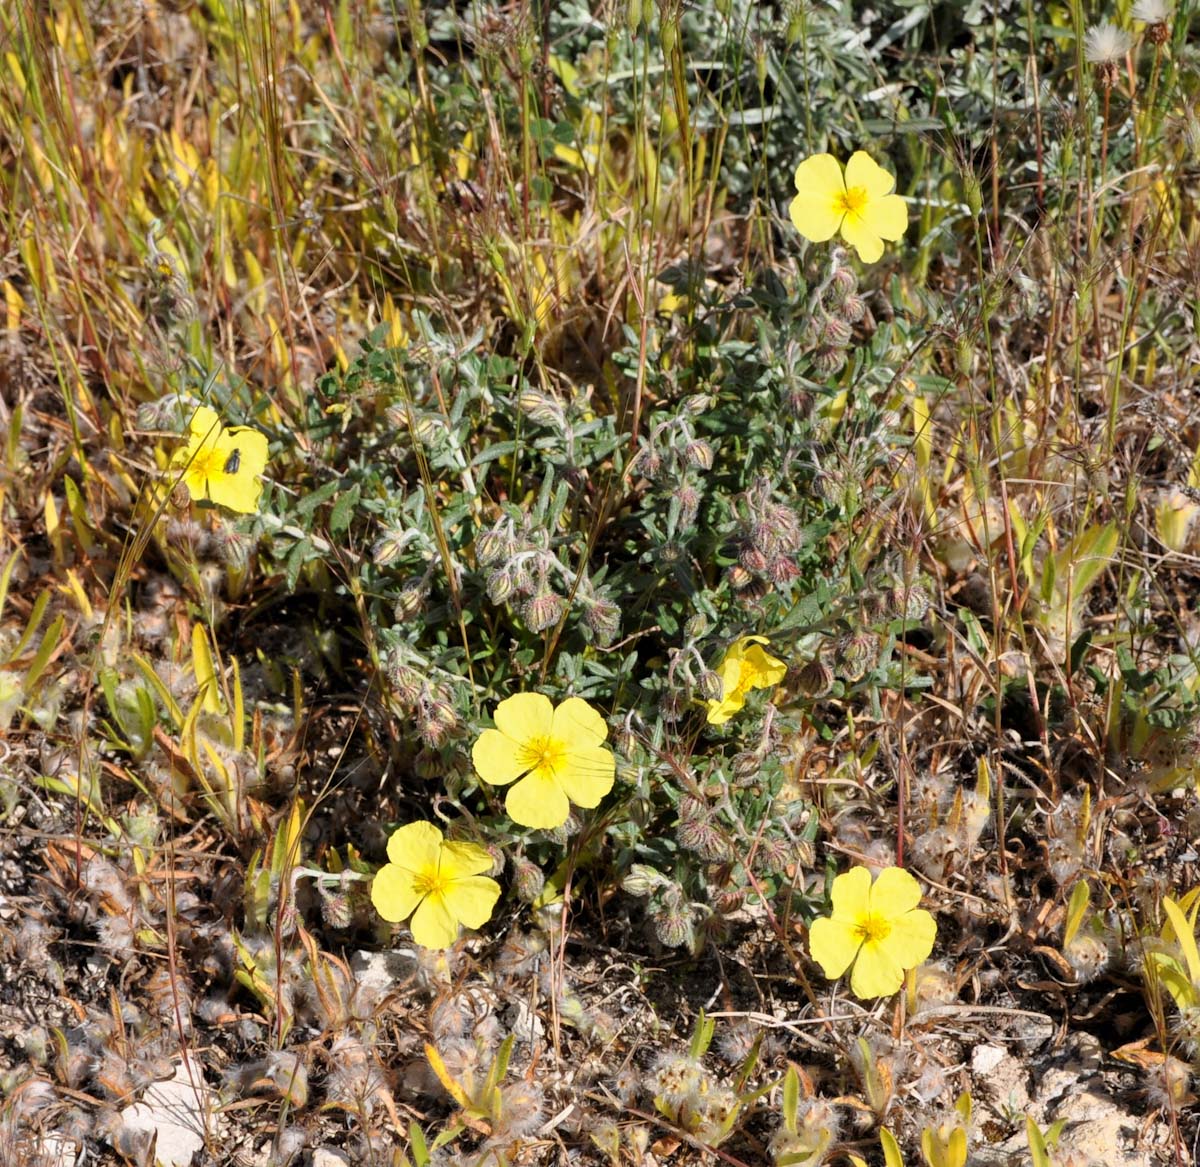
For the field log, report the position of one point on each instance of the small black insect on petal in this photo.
(233, 462)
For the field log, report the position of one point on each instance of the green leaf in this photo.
(343, 511)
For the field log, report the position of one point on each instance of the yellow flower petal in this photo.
(769, 670)
(851, 895)
(588, 775)
(876, 972)
(865, 241)
(894, 892)
(394, 894)
(719, 712)
(816, 211)
(862, 170)
(205, 424)
(416, 847)
(222, 466)
(911, 939)
(496, 759)
(433, 925)
(886, 217)
(461, 860)
(524, 715)
(537, 802)
(577, 723)
(833, 944)
(472, 899)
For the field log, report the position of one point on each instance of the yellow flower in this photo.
(859, 203)
(222, 465)
(876, 927)
(439, 884)
(558, 756)
(745, 667)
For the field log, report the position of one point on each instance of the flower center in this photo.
(430, 882)
(543, 753)
(208, 462)
(873, 928)
(851, 201)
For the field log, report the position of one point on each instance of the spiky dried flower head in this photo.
(1088, 957)
(1105, 46)
(1153, 11)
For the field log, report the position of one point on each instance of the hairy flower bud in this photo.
(859, 653)
(543, 610)
(673, 928)
(492, 546)
(411, 599)
(828, 361)
(407, 684)
(699, 453)
(853, 309)
(815, 678)
(528, 880)
(711, 687)
(688, 498)
(500, 585)
(752, 559)
(835, 333)
(603, 617)
(436, 722)
(642, 880)
(541, 408)
(336, 909)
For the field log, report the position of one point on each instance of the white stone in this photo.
(381, 971)
(328, 1157)
(177, 1110)
(985, 1058)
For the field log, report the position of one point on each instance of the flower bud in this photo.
(815, 678)
(859, 653)
(697, 404)
(411, 599)
(973, 193)
(853, 310)
(752, 559)
(541, 408)
(711, 687)
(436, 723)
(642, 880)
(651, 463)
(835, 333)
(739, 577)
(842, 283)
(528, 880)
(407, 684)
(673, 928)
(500, 585)
(543, 611)
(336, 909)
(782, 570)
(603, 617)
(911, 602)
(492, 546)
(828, 361)
(699, 454)
(688, 499)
